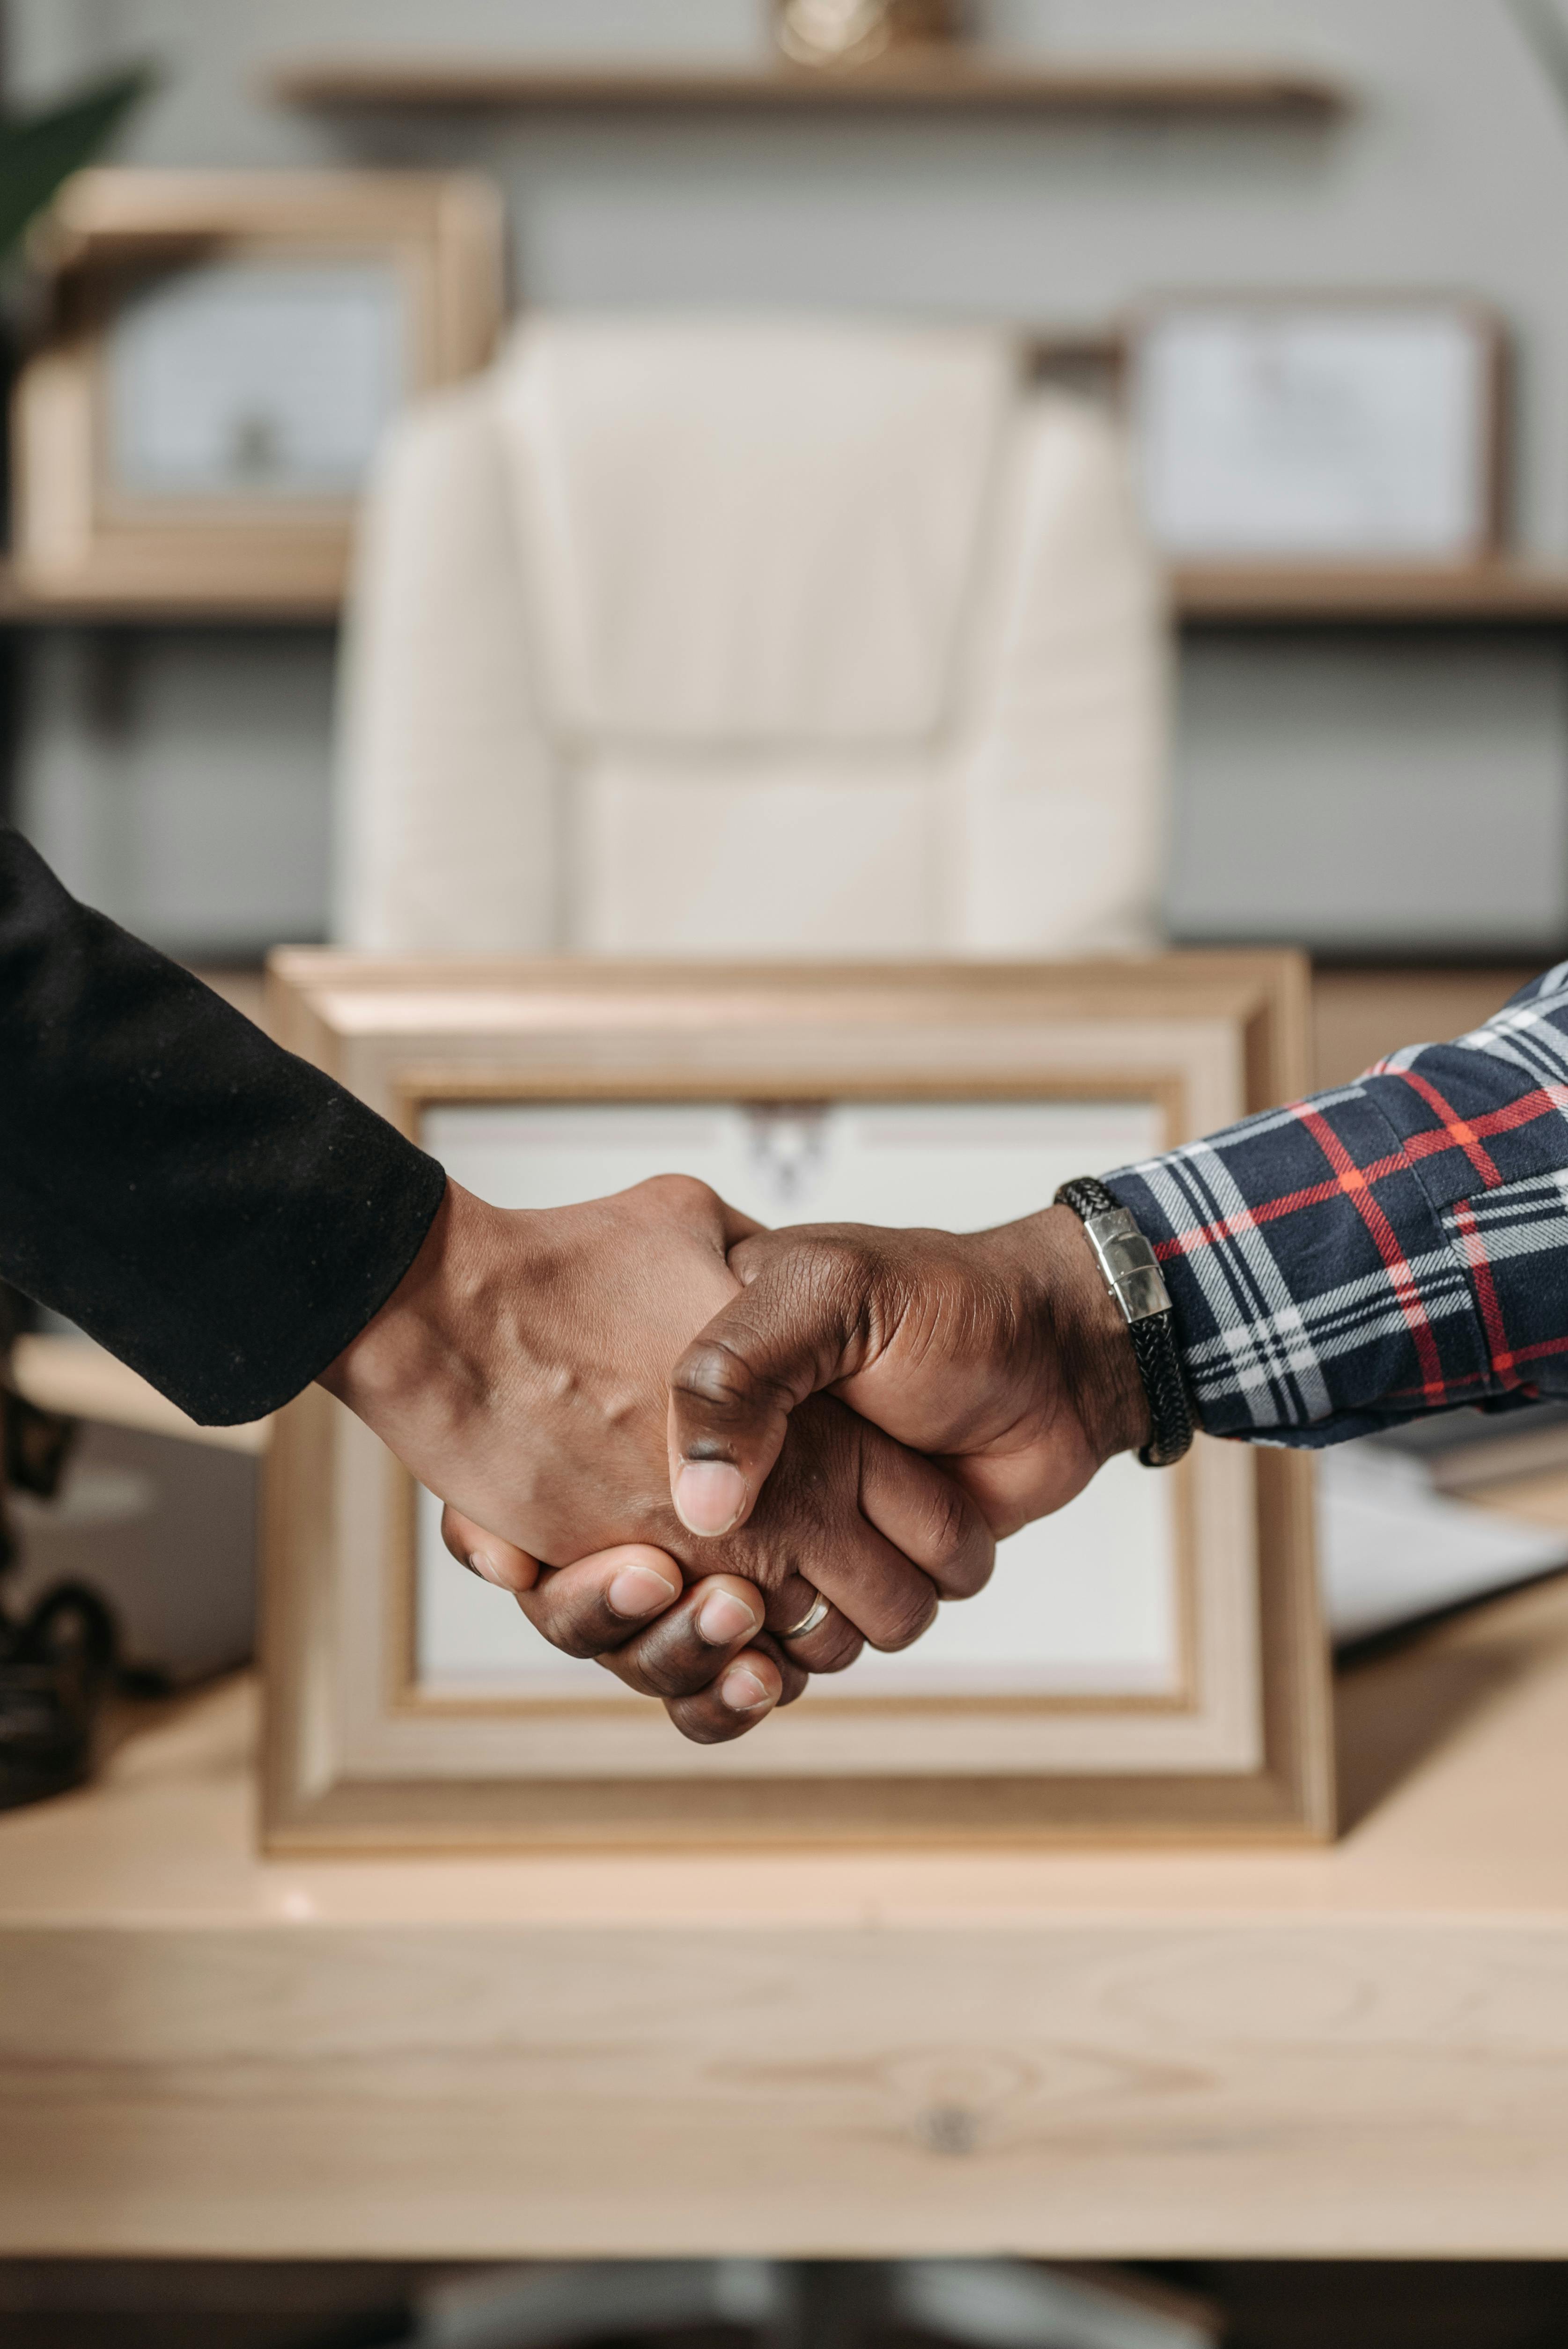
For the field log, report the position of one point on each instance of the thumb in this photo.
(795, 1328)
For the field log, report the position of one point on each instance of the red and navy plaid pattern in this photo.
(1397, 1245)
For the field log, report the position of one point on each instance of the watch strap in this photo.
(1131, 1273)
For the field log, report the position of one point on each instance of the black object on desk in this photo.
(57, 1660)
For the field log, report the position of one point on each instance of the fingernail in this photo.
(638, 1591)
(725, 1619)
(487, 1568)
(742, 1691)
(709, 1496)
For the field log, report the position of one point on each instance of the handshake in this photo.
(718, 1459)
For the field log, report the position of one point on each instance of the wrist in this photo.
(1087, 1334)
(424, 1351)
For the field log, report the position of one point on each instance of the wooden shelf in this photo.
(128, 607)
(952, 80)
(1461, 595)
(1219, 595)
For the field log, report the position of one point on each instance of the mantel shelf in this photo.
(947, 79)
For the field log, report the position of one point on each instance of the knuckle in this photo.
(826, 1275)
(578, 1640)
(958, 1550)
(905, 1620)
(755, 1558)
(841, 1644)
(705, 1721)
(794, 1674)
(674, 1673)
(623, 1668)
(679, 1194)
(712, 1373)
(948, 1528)
(849, 1272)
(573, 1634)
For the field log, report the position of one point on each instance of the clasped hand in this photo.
(862, 1413)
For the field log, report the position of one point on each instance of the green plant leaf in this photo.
(38, 151)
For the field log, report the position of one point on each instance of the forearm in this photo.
(1395, 1246)
(217, 1212)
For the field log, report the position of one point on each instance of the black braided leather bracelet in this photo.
(1137, 1285)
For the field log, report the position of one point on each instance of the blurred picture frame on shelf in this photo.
(224, 352)
(1148, 1662)
(1321, 428)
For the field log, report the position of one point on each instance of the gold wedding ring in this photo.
(816, 1613)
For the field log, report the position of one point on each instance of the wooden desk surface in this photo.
(1454, 1764)
(1362, 2050)
(1358, 2050)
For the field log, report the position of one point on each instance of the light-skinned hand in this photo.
(521, 1372)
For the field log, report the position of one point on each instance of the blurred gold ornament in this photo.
(853, 32)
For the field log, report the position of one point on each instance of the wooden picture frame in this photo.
(413, 263)
(1337, 428)
(368, 1747)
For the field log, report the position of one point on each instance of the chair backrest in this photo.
(753, 636)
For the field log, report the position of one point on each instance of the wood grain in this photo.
(1356, 2050)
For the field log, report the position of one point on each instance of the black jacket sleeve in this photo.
(216, 1212)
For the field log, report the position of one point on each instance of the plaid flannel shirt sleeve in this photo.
(1396, 1246)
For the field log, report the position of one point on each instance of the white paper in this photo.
(255, 379)
(1081, 1603)
(1393, 1549)
(1314, 434)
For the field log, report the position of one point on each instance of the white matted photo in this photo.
(1085, 1604)
(255, 378)
(1327, 429)
(1149, 1661)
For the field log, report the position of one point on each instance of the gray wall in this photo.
(1351, 790)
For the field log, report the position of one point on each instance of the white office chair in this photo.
(812, 2304)
(734, 636)
(738, 636)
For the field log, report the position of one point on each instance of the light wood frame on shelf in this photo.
(76, 541)
(1288, 580)
(359, 1755)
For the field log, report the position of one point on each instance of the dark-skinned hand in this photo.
(521, 1372)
